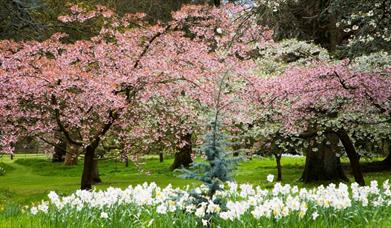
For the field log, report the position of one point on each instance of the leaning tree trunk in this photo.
(60, 150)
(353, 156)
(183, 156)
(322, 163)
(71, 155)
(95, 173)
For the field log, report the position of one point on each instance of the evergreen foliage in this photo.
(218, 166)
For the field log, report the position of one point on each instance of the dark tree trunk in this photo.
(379, 166)
(95, 173)
(387, 147)
(88, 168)
(353, 156)
(60, 150)
(12, 157)
(183, 156)
(161, 159)
(323, 164)
(387, 160)
(125, 158)
(279, 170)
(216, 2)
(333, 32)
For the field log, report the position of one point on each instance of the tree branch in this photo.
(59, 123)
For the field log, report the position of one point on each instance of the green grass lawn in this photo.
(30, 178)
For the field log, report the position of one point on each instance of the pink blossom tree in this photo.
(327, 99)
(88, 88)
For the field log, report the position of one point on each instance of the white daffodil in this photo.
(270, 178)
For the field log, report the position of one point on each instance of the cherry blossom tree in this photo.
(88, 88)
(184, 116)
(328, 99)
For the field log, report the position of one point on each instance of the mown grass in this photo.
(30, 178)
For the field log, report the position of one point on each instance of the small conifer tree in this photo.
(217, 168)
(219, 165)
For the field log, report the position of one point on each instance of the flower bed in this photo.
(237, 205)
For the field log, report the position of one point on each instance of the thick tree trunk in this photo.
(322, 162)
(71, 154)
(183, 156)
(60, 150)
(88, 168)
(353, 156)
(279, 170)
(95, 173)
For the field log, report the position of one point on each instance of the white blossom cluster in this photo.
(374, 62)
(367, 23)
(241, 200)
(276, 57)
(273, 4)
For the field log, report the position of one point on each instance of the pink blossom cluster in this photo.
(93, 88)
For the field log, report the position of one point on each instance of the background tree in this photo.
(323, 100)
(347, 28)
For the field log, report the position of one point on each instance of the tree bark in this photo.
(323, 163)
(279, 170)
(71, 155)
(387, 147)
(353, 156)
(333, 32)
(87, 177)
(183, 156)
(95, 173)
(60, 150)
(126, 161)
(161, 159)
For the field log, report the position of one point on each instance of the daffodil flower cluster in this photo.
(234, 202)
